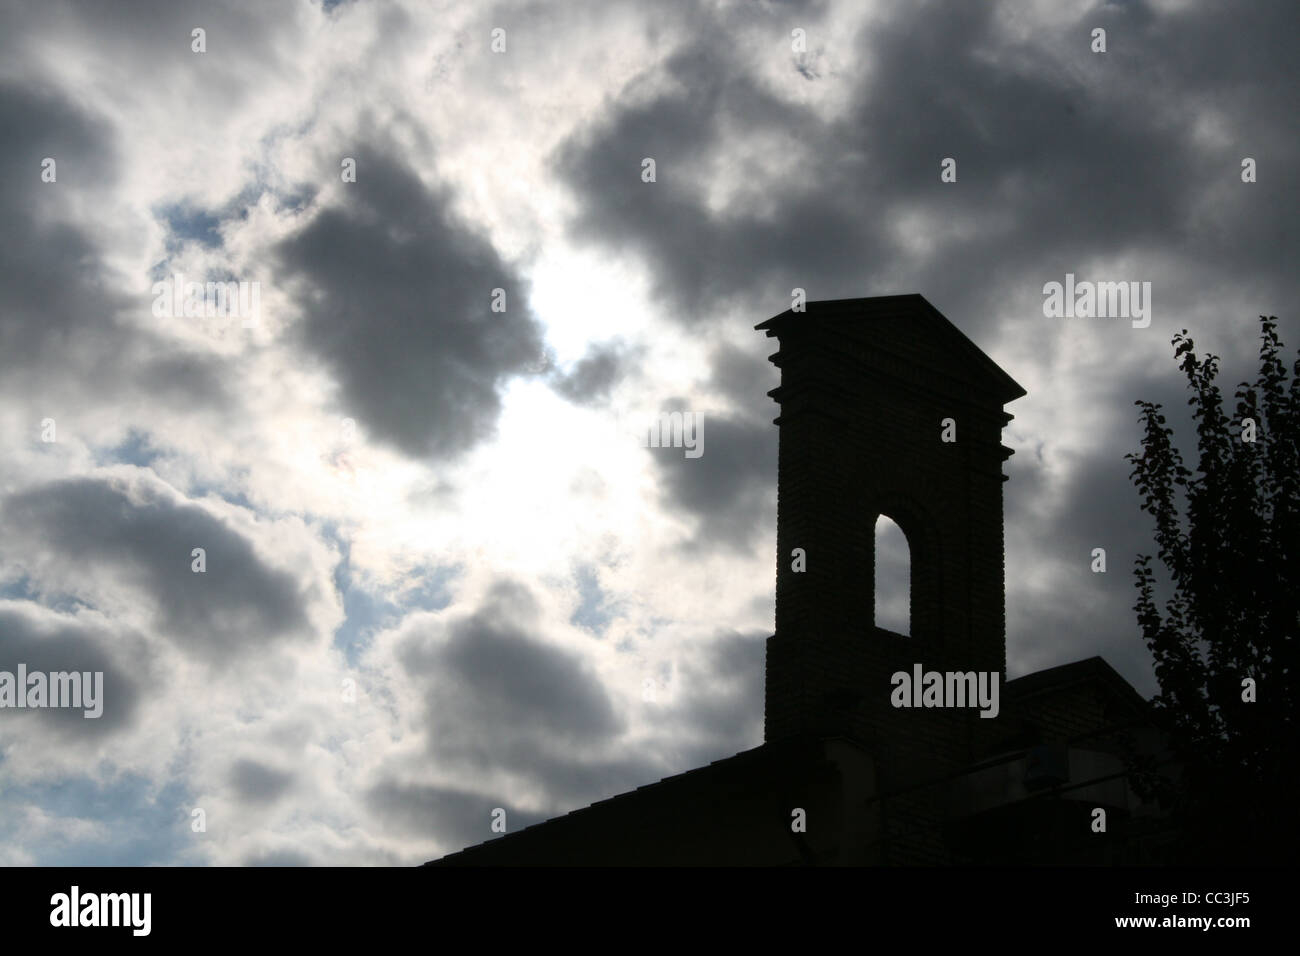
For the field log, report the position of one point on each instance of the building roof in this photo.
(749, 772)
(1090, 669)
(912, 307)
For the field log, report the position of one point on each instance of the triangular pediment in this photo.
(902, 329)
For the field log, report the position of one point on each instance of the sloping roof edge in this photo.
(872, 306)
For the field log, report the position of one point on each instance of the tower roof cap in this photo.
(830, 315)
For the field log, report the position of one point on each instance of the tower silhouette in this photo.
(866, 387)
(870, 389)
(885, 408)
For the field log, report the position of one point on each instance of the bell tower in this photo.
(885, 408)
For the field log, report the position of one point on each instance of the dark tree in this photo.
(1228, 538)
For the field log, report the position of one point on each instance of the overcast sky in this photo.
(397, 486)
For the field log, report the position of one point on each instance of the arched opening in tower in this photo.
(893, 585)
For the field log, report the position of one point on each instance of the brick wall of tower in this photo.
(860, 435)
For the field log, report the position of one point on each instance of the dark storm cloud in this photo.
(61, 331)
(46, 645)
(517, 678)
(698, 258)
(456, 818)
(258, 783)
(496, 677)
(1064, 157)
(730, 489)
(61, 335)
(51, 283)
(593, 375)
(144, 542)
(1096, 505)
(745, 376)
(149, 41)
(1082, 160)
(721, 691)
(280, 857)
(497, 696)
(398, 295)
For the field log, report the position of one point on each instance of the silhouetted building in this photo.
(887, 409)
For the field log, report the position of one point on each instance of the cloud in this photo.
(745, 376)
(282, 857)
(455, 818)
(53, 284)
(1059, 162)
(1124, 166)
(595, 374)
(730, 490)
(398, 295)
(719, 697)
(90, 537)
(258, 783)
(61, 308)
(499, 685)
(477, 451)
(503, 703)
(48, 642)
(698, 256)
